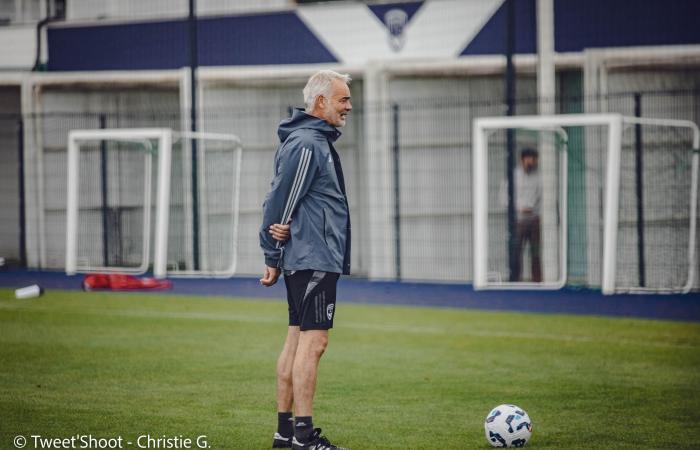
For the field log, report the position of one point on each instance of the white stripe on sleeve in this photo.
(299, 178)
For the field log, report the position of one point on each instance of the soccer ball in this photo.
(507, 426)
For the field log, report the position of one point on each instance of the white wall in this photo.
(22, 11)
(158, 9)
(17, 47)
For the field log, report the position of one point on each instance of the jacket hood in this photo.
(300, 119)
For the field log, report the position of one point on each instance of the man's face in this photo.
(335, 109)
(529, 163)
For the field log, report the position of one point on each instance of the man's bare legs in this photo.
(285, 364)
(312, 344)
(285, 392)
(297, 368)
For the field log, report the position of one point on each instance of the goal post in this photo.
(612, 188)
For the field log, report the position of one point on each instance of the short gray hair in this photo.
(320, 84)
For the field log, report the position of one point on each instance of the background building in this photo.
(422, 71)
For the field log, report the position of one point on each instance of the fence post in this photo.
(639, 180)
(194, 62)
(22, 206)
(510, 140)
(104, 183)
(397, 190)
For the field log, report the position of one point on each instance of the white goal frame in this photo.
(137, 135)
(165, 137)
(614, 122)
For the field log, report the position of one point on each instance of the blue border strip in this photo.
(261, 39)
(356, 290)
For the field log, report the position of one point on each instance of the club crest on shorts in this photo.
(329, 311)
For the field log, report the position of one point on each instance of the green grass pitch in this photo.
(127, 365)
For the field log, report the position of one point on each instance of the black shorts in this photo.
(311, 298)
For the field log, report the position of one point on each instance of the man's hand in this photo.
(279, 232)
(270, 276)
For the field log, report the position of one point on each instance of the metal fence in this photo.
(409, 174)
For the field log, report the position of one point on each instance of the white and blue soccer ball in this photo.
(508, 426)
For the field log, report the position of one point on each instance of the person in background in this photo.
(528, 201)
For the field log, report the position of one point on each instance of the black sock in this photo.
(285, 424)
(303, 427)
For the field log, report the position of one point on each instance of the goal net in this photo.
(656, 225)
(130, 187)
(204, 205)
(611, 202)
(110, 199)
(526, 207)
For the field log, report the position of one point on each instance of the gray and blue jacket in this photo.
(308, 189)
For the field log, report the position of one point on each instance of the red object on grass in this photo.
(120, 282)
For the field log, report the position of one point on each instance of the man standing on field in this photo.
(306, 235)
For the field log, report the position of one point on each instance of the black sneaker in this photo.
(315, 442)
(280, 441)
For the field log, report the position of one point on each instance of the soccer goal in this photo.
(112, 181)
(520, 205)
(628, 233)
(109, 201)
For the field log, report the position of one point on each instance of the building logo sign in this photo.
(396, 20)
(356, 33)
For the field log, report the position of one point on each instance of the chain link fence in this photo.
(408, 169)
